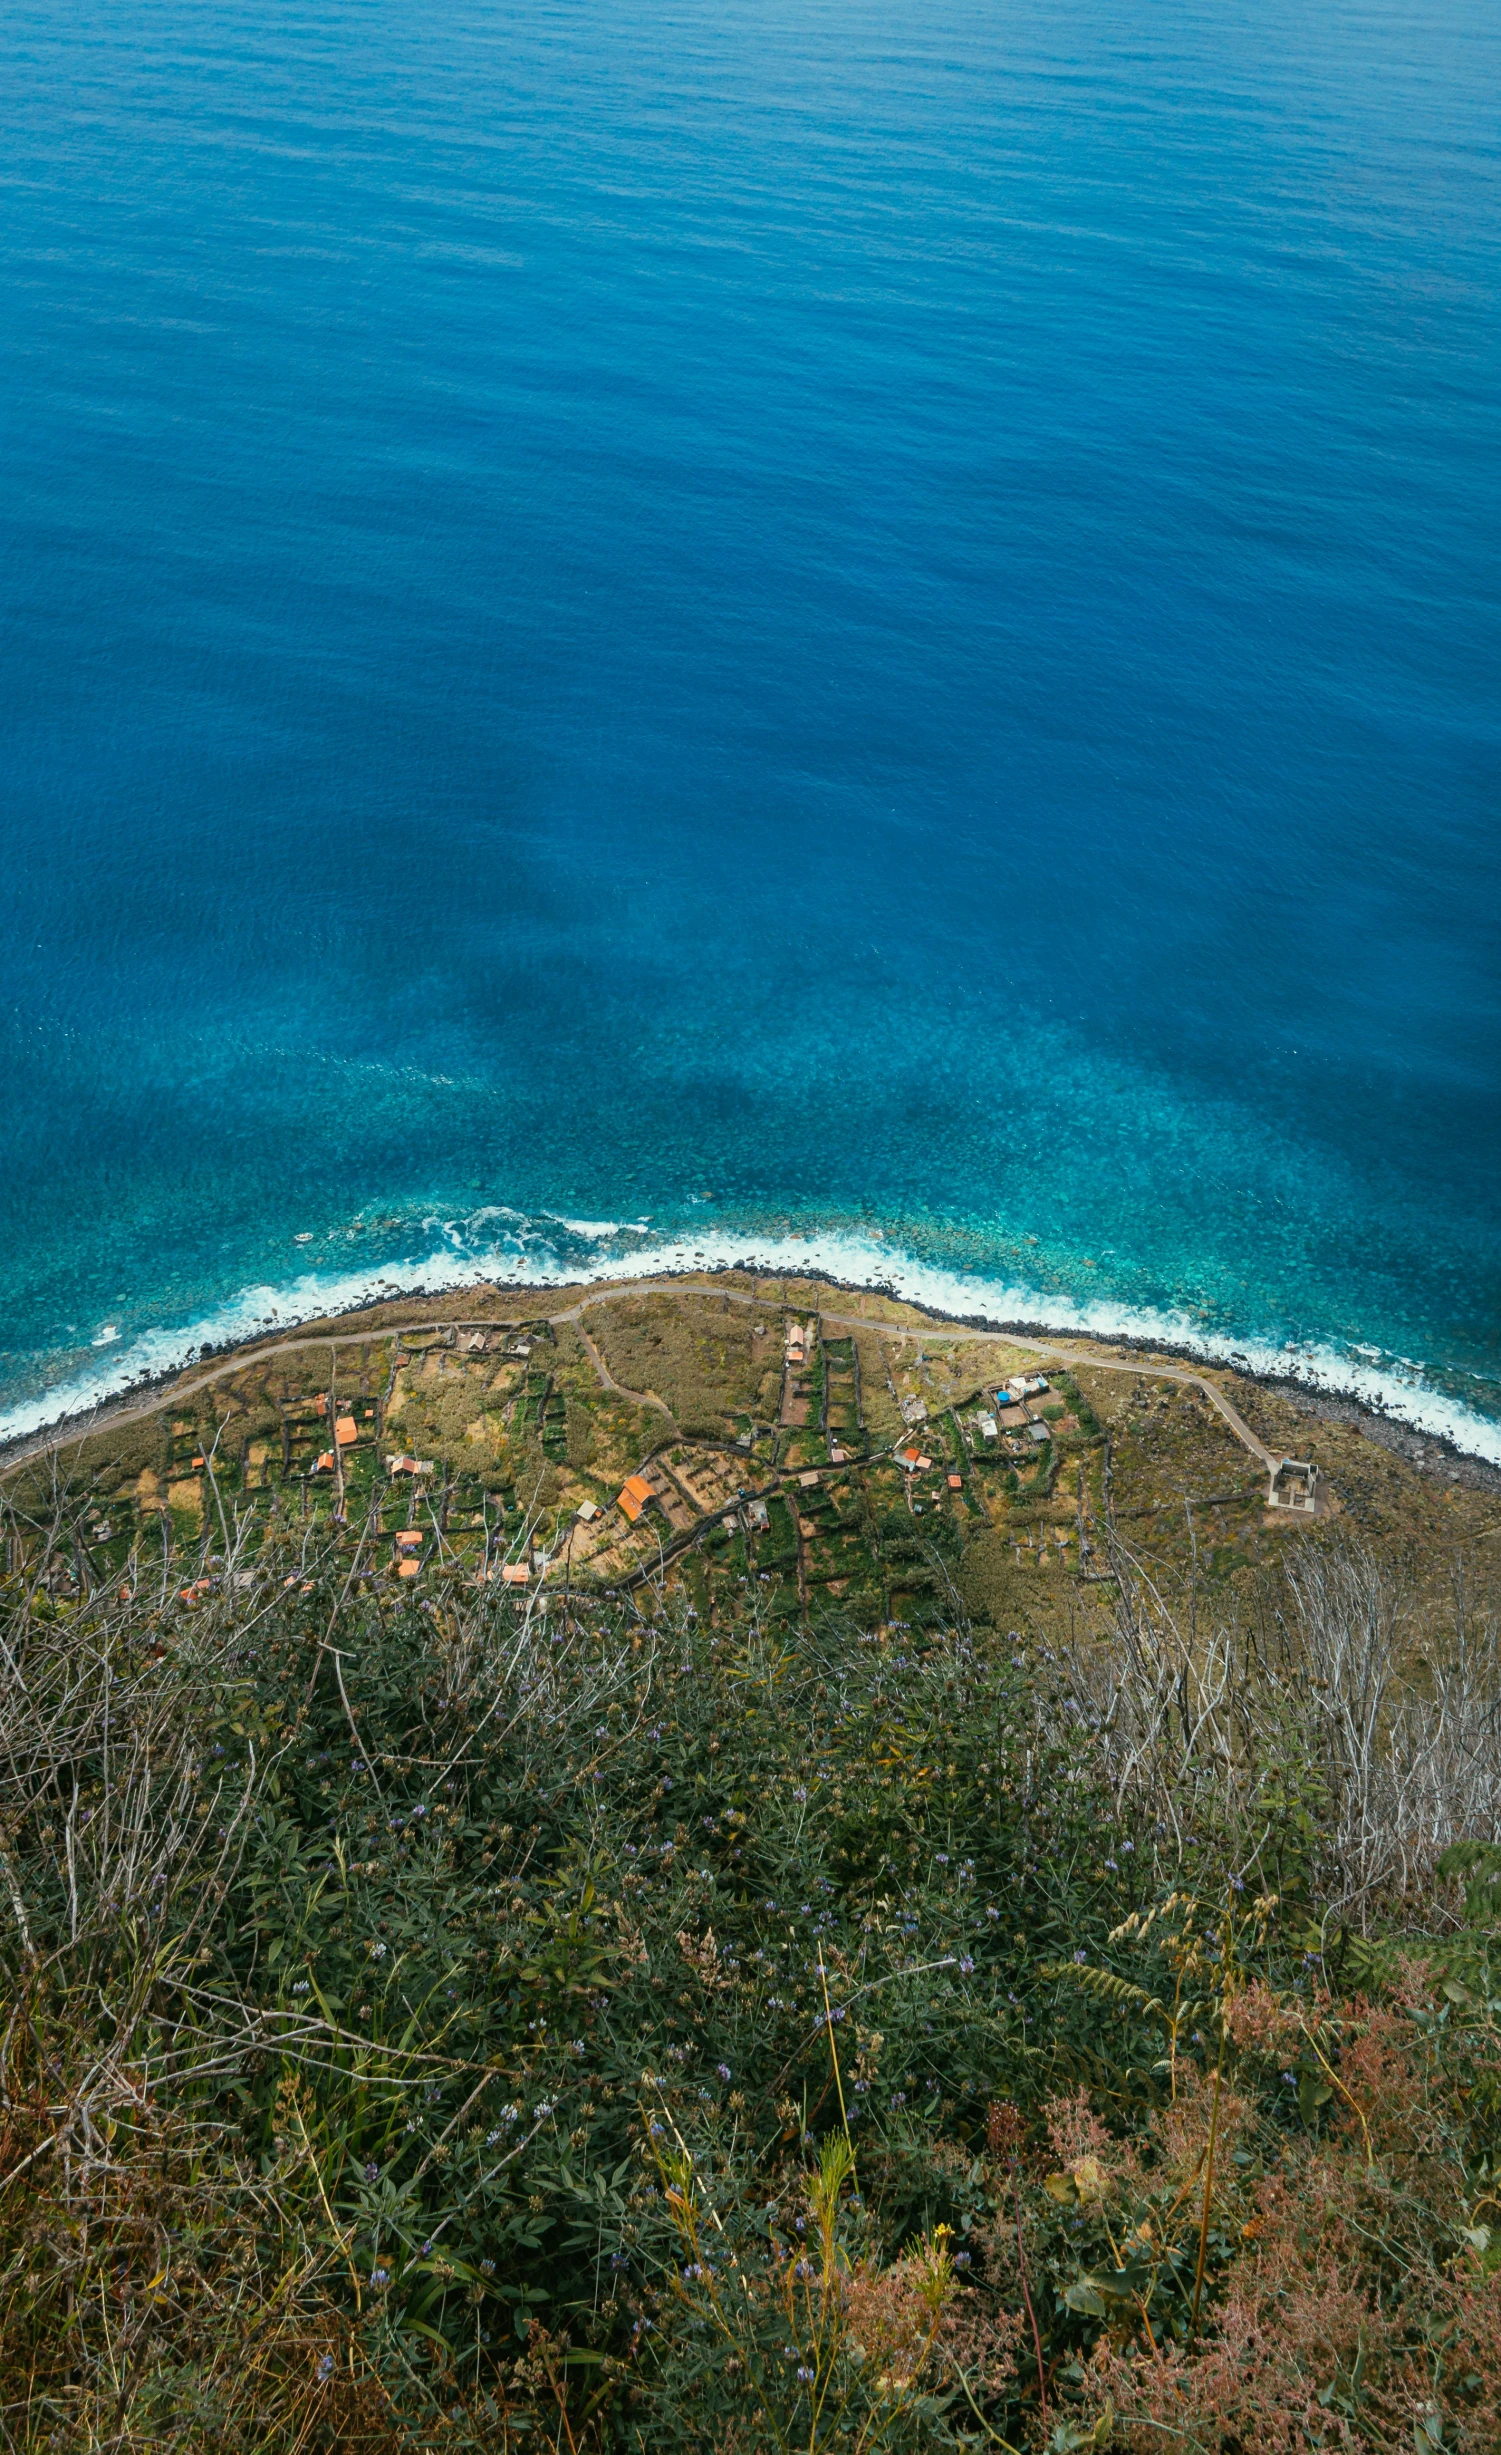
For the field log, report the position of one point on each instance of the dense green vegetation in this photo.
(448, 2022)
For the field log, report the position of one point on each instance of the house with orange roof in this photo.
(634, 1495)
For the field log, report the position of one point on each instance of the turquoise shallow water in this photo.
(846, 632)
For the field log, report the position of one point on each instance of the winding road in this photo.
(177, 1393)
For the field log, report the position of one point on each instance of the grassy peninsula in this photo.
(726, 1865)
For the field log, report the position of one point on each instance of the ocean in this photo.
(845, 632)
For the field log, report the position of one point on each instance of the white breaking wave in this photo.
(527, 1254)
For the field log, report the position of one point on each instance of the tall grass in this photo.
(355, 1942)
(437, 2020)
(1348, 1738)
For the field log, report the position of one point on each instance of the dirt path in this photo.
(177, 1393)
(1105, 1363)
(952, 1338)
(174, 1393)
(638, 1397)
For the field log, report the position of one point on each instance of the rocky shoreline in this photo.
(1429, 1453)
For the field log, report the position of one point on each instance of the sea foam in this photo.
(543, 1253)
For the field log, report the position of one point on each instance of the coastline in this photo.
(1428, 1451)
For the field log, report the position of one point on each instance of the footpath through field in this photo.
(177, 1392)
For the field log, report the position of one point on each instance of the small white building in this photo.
(1293, 1483)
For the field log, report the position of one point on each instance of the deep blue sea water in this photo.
(857, 630)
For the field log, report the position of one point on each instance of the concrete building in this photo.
(1293, 1483)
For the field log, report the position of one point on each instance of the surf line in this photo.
(178, 1391)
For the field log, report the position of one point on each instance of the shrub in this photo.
(342, 1927)
(463, 2023)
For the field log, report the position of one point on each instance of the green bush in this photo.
(409, 1923)
(458, 2022)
